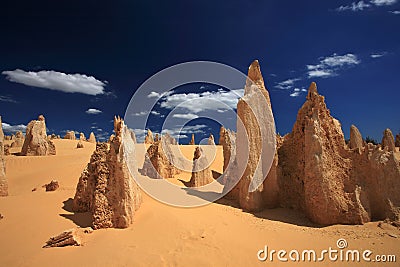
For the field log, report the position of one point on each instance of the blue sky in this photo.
(80, 62)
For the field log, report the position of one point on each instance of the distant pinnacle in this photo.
(254, 71)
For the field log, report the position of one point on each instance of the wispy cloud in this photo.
(5, 98)
(187, 116)
(93, 111)
(396, 12)
(378, 55)
(287, 84)
(361, 5)
(198, 102)
(355, 6)
(329, 66)
(142, 113)
(10, 129)
(383, 2)
(58, 81)
(297, 92)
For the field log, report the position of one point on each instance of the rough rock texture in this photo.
(169, 139)
(159, 160)
(192, 140)
(254, 104)
(388, 140)
(201, 173)
(92, 138)
(230, 178)
(3, 180)
(18, 139)
(377, 172)
(315, 173)
(70, 135)
(82, 137)
(156, 138)
(149, 137)
(356, 141)
(52, 186)
(397, 143)
(72, 237)
(36, 142)
(7, 137)
(7, 150)
(79, 144)
(211, 140)
(106, 187)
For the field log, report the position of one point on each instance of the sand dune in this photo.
(218, 234)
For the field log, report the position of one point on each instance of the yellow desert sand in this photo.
(218, 234)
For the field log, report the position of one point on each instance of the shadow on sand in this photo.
(81, 219)
(284, 215)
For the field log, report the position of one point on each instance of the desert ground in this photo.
(218, 234)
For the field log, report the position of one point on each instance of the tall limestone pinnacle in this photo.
(3, 180)
(255, 141)
(106, 187)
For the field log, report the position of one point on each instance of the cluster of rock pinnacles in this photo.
(313, 169)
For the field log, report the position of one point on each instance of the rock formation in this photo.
(52, 186)
(149, 137)
(356, 141)
(82, 137)
(255, 140)
(159, 160)
(79, 144)
(156, 138)
(397, 143)
(70, 135)
(18, 139)
(36, 142)
(72, 237)
(92, 138)
(192, 140)
(376, 173)
(314, 171)
(388, 140)
(211, 140)
(201, 173)
(169, 139)
(3, 181)
(106, 187)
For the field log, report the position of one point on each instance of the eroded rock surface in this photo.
(36, 142)
(3, 180)
(106, 187)
(388, 140)
(201, 173)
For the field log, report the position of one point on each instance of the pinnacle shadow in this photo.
(81, 219)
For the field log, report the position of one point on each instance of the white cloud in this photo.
(191, 129)
(383, 2)
(396, 12)
(53, 80)
(287, 84)
(142, 113)
(328, 66)
(378, 55)
(188, 116)
(295, 94)
(5, 98)
(158, 95)
(355, 6)
(93, 111)
(198, 102)
(320, 73)
(155, 113)
(8, 128)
